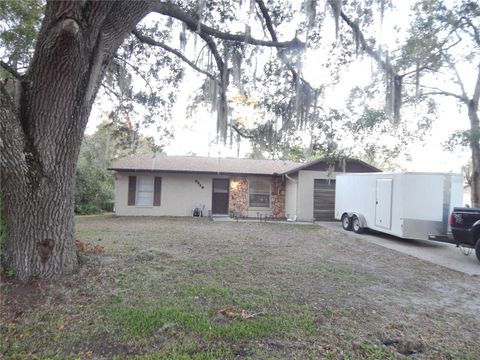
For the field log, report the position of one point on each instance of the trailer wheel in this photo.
(477, 249)
(357, 228)
(346, 222)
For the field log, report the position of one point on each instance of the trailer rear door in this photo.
(383, 203)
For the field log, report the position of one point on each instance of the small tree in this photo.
(94, 183)
(442, 39)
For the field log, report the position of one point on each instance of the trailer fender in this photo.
(361, 218)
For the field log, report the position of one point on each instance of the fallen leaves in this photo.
(80, 245)
(89, 248)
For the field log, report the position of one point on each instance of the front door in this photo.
(220, 196)
(383, 203)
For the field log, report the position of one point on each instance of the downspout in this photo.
(296, 196)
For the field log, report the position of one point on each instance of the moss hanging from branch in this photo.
(417, 80)
(393, 99)
(397, 98)
(337, 11)
(222, 107)
(393, 80)
(310, 8)
(382, 11)
(357, 41)
(237, 59)
(183, 38)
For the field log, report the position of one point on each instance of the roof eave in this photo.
(195, 172)
(314, 162)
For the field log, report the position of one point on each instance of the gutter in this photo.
(289, 178)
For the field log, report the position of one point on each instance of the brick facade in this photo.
(278, 197)
(238, 202)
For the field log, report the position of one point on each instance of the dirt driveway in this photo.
(164, 288)
(446, 255)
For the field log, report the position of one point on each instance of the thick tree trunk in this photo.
(475, 149)
(41, 131)
(39, 227)
(473, 104)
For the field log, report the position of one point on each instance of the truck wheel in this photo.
(346, 222)
(357, 228)
(477, 249)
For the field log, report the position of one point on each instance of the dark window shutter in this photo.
(132, 190)
(157, 190)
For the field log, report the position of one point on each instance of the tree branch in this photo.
(11, 70)
(267, 18)
(195, 25)
(150, 41)
(446, 93)
(427, 65)
(459, 79)
(476, 32)
(222, 110)
(476, 91)
(387, 67)
(110, 90)
(136, 71)
(273, 35)
(394, 80)
(240, 132)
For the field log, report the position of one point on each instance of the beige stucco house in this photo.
(160, 185)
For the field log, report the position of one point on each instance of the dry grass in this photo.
(161, 288)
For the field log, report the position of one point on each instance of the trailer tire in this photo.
(477, 249)
(356, 226)
(346, 222)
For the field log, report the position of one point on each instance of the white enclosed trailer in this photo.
(407, 205)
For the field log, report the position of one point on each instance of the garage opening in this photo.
(324, 200)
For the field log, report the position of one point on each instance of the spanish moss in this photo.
(337, 10)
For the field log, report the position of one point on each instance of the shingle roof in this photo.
(368, 167)
(200, 164)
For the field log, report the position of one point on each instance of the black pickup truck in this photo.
(465, 225)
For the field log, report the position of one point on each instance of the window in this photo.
(259, 193)
(144, 191)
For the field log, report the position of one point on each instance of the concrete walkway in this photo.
(446, 255)
(229, 219)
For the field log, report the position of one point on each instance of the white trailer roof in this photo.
(398, 173)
